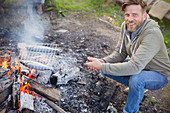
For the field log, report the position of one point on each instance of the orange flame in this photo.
(31, 72)
(17, 66)
(24, 88)
(4, 64)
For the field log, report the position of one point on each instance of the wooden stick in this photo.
(54, 106)
(47, 92)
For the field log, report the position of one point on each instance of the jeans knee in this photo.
(135, 81)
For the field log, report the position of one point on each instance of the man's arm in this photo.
(146, 51)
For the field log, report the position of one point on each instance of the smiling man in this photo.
(149, 64)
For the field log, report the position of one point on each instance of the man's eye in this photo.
(134, 14)
(126, 14)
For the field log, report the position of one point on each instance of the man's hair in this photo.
(142, 3)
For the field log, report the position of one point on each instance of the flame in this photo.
(31, 72)
(17, 66)
(4, 64)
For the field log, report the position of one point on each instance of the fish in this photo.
(43, 49)
(36, 65)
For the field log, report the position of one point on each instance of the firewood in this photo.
(5, 91)
(54, 106)
(47, 92)
(3, 110)
(27, 111)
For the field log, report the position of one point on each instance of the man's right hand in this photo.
(94, 64)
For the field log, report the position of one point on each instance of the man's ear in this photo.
(145, 15)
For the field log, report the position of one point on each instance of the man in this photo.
(149, 64)
(39, 4)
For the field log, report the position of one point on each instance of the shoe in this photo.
(1, 10)
(39, 9)
(126, 90)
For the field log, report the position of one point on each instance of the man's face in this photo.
(134, 17)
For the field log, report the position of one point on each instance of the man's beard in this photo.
(135, 27)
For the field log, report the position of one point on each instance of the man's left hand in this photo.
(94, 64)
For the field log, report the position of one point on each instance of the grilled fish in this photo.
(36, 65)
(42, 49)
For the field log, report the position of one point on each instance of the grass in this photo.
(94, 7)
(167, 1)
(151, 100)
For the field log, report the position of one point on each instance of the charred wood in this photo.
(14, 95)
(5, 91)
(3, 110)
(27, 111)
(47, 92)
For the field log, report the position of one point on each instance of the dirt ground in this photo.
(86, 35)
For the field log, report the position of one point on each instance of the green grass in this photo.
(167, 1)
(94, 7)
(151, 100)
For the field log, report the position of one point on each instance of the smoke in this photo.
(33, 29)
(33, 25)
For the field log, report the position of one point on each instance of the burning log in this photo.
(50, 93)
(54, 106)
(14, 95)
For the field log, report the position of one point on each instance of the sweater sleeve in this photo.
(148, 48)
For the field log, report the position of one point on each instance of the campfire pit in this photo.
(49, 77)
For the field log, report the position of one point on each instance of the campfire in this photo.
(26, 79)
(46, 77)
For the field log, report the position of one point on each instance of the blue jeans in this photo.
(137, 83)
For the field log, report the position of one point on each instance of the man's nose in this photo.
(130, 18)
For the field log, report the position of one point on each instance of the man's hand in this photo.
(94, 64)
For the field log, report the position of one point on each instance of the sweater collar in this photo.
(133, 34)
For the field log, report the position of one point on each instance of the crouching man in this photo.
(149, 64)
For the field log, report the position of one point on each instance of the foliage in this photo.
(151, 100)
(54, 5)
(167, 1)
(11, 1)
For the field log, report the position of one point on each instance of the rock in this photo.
(61, 31)
(159, 9)
(111, 109)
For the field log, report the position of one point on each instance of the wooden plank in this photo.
(47, 92)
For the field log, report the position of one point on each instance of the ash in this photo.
(41, 107)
